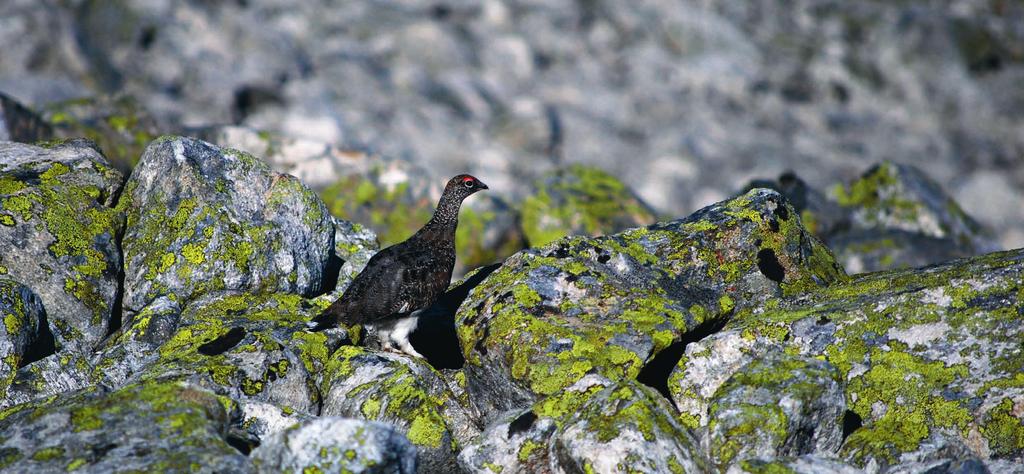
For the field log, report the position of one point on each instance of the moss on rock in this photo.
(580, 200)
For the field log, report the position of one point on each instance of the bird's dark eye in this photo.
(468, 183)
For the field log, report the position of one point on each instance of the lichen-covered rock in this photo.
(807, 464)
(120, 125)
(777, 405)
(608, 305)
(262, 420)
(395, 199)
(519, 441)
(58, 235)
(627, 428)
(23, 319)
(354, 245)
(203, 219)
(146, 427)
(402, 391)
(19, 124)
(56, 374)
(333, 444)
(705, 366)
(921, 351)
(898, 217)
(595, 425)
(246, 347)
(580, 200)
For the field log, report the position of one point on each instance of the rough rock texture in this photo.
(146, 427)
(59, 235)
(580, 200)
(899, 218)
(595, 425)
(332, 444)
(23, 323)
(203, 219)
(922, 352)
(777, 405)
(893, 216)
(405, 392)
(552, 314)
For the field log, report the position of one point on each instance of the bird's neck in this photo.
(446, 216)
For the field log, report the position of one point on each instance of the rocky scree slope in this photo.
(156, 323)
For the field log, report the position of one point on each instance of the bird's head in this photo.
(463, 185)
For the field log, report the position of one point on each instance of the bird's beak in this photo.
(482, 185)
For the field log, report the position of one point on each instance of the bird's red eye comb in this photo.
(468, 179)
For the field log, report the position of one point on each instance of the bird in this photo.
(404, 279)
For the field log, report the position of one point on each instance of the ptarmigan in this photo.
(402, 280)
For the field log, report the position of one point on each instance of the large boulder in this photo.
(923, 353)
(405, 392)
(203, 219)
(897, 217)
(595, 425)
(777, 405)
(145, 427)
(609, 305)
(58, 236)
(332, 444)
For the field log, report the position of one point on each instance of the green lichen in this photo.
(580, 200)
(1004, 429)
(47, 454)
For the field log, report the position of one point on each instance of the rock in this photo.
(705, 366)
(402, 391)
(19, 124)
(595, 425)
(23, 325)
(120, 125)
(263, 420)
(333, 444)
(58, 235)
(203, 219)
(246, 347)
(901, 218)
(933, 351)
(808, 464)
(777, 405)
(580, 200)
(54, 375)
(150, 426)
(627, 427)
(550, 315)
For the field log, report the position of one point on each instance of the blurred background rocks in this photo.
(684, 101)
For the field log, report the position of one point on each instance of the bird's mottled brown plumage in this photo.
(408, 276)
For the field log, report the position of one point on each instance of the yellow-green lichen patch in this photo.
(580, 200)
(397, 395)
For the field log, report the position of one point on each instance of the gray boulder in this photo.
(146, 427)
(23, 326)
(608, 305)
(203, 219)
(402, 391)
(777, 405)
(58, 235)
(595, 425)
(922, 353)
(333, 444)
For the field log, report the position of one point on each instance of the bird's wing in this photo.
(425, 276)
(367, 297)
